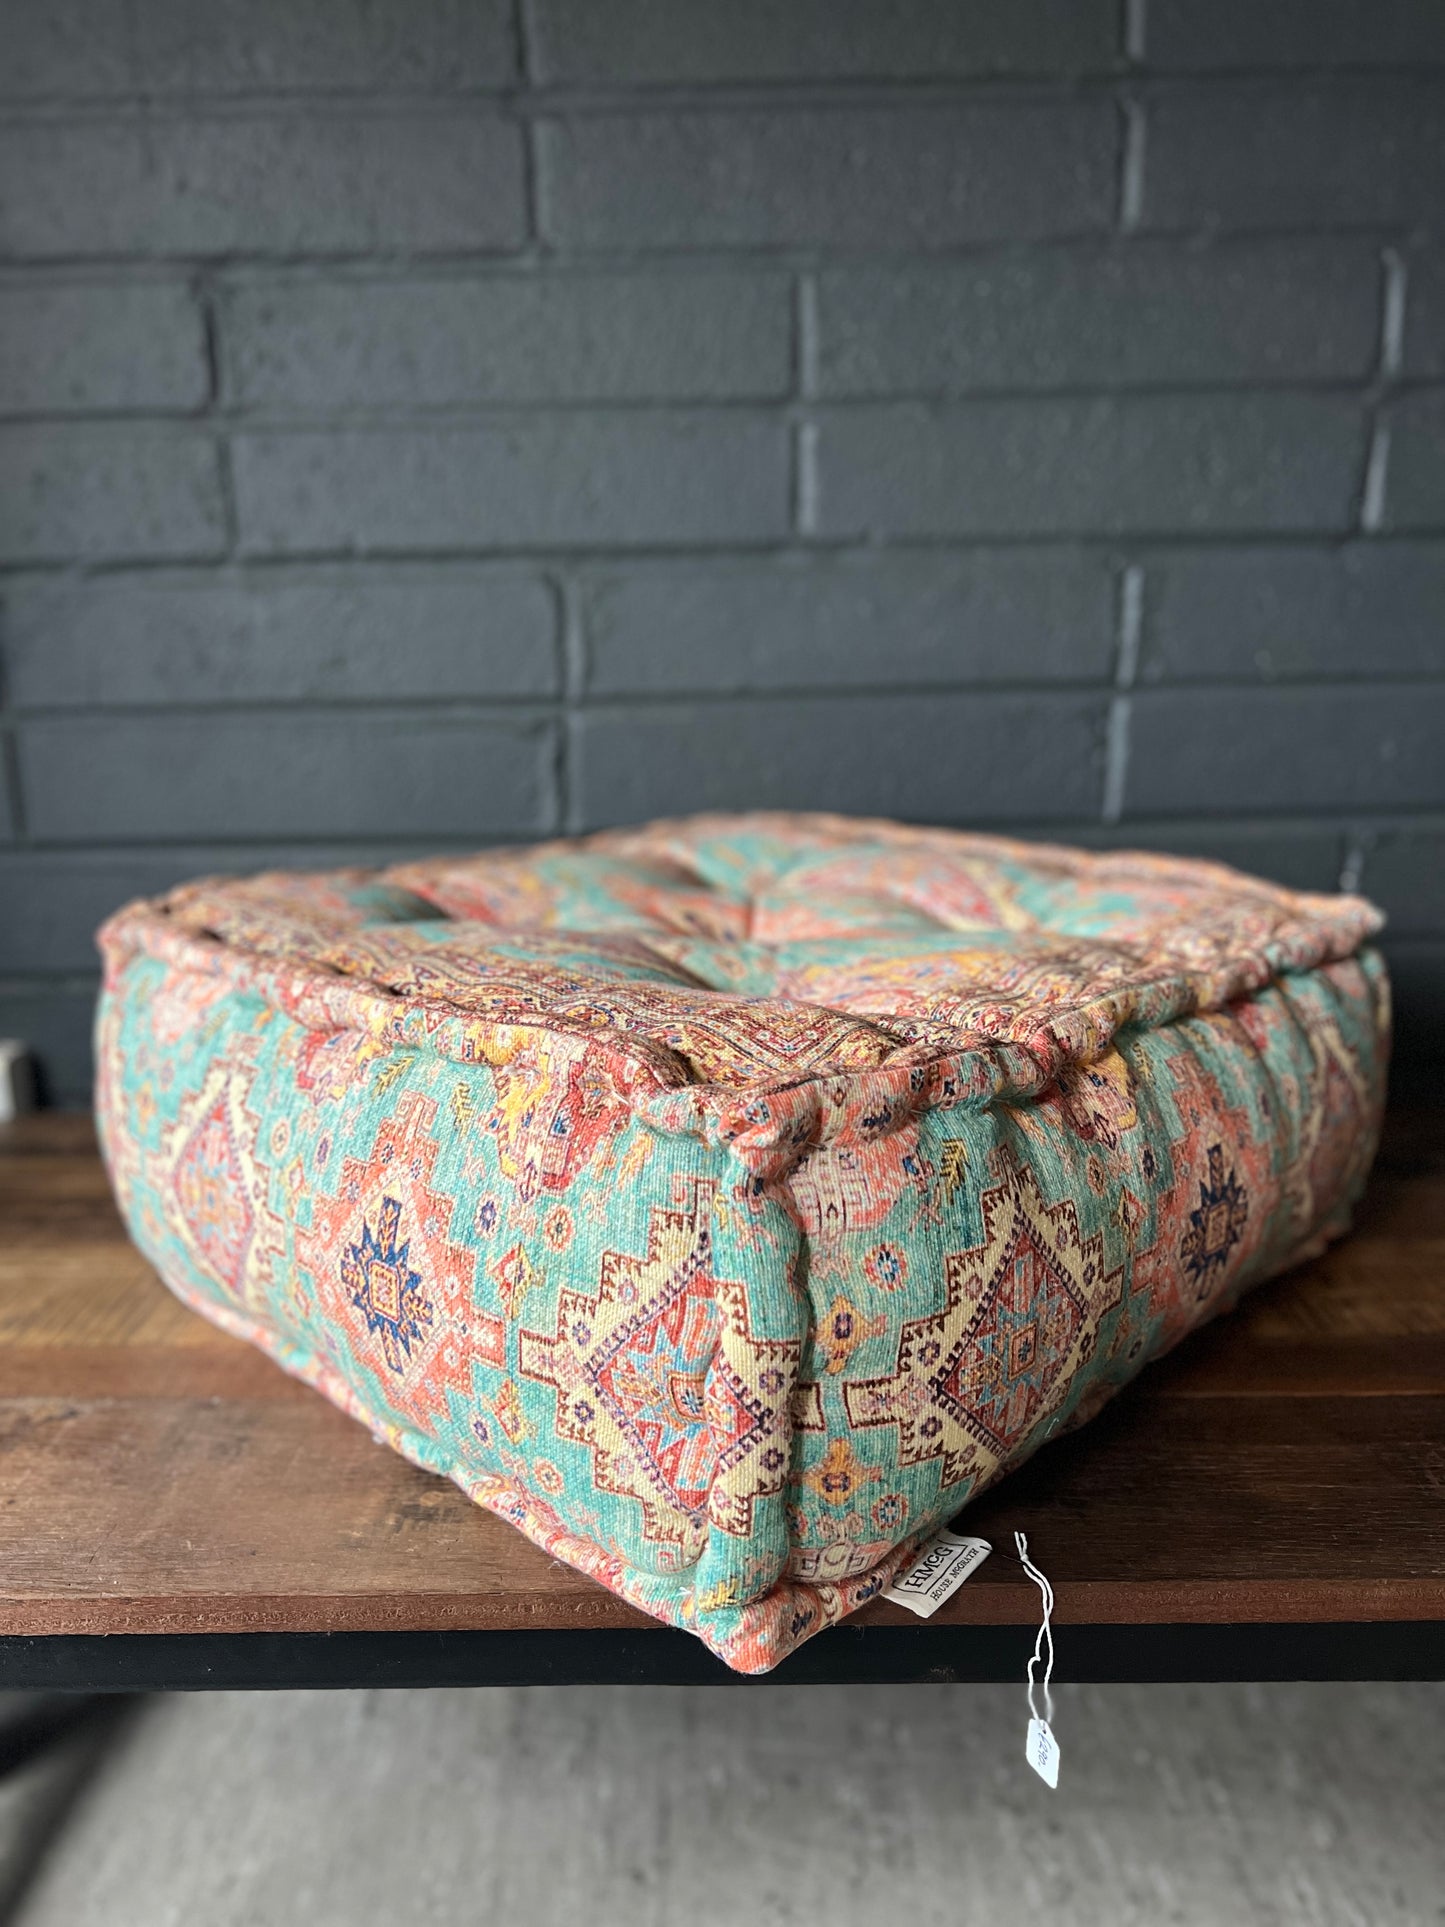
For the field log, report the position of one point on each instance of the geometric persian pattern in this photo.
(727, 1202)
(976, 1378)
(630, 1363)
(383, 1285)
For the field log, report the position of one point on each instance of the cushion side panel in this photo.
(982, 1278)
(498, 1267)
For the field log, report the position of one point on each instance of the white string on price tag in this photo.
(1041, 1749)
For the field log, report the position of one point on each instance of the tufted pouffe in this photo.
(727, 1202)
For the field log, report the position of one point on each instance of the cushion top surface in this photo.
(733, 950)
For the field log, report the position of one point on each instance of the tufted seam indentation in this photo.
(737, 951)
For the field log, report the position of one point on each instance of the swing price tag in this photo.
(937, 1573)
(1041, 1750)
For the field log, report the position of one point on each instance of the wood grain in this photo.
(1287, 1464)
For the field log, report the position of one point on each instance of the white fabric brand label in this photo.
(938, 1572)
(1041, 1750)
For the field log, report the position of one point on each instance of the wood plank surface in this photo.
(156, 1476)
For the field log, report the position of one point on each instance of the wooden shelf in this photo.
(174, 1510)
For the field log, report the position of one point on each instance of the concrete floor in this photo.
(653, 1807)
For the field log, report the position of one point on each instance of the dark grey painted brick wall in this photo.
(425, 422)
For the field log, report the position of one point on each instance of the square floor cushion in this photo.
(727, 1202)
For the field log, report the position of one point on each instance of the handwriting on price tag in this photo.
(1041, 1750)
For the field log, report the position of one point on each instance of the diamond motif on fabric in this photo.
(652, 1374)
(385, 1273)
(382, 1284)
(1021, 1310)
(657, 1374)
(998, 1377)
(1217, 1226)
(215, 1191)
(210, 1189)
(1205, 1233)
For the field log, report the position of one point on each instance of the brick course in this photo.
(425, 423)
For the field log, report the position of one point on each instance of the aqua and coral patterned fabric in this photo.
(727, 1202)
